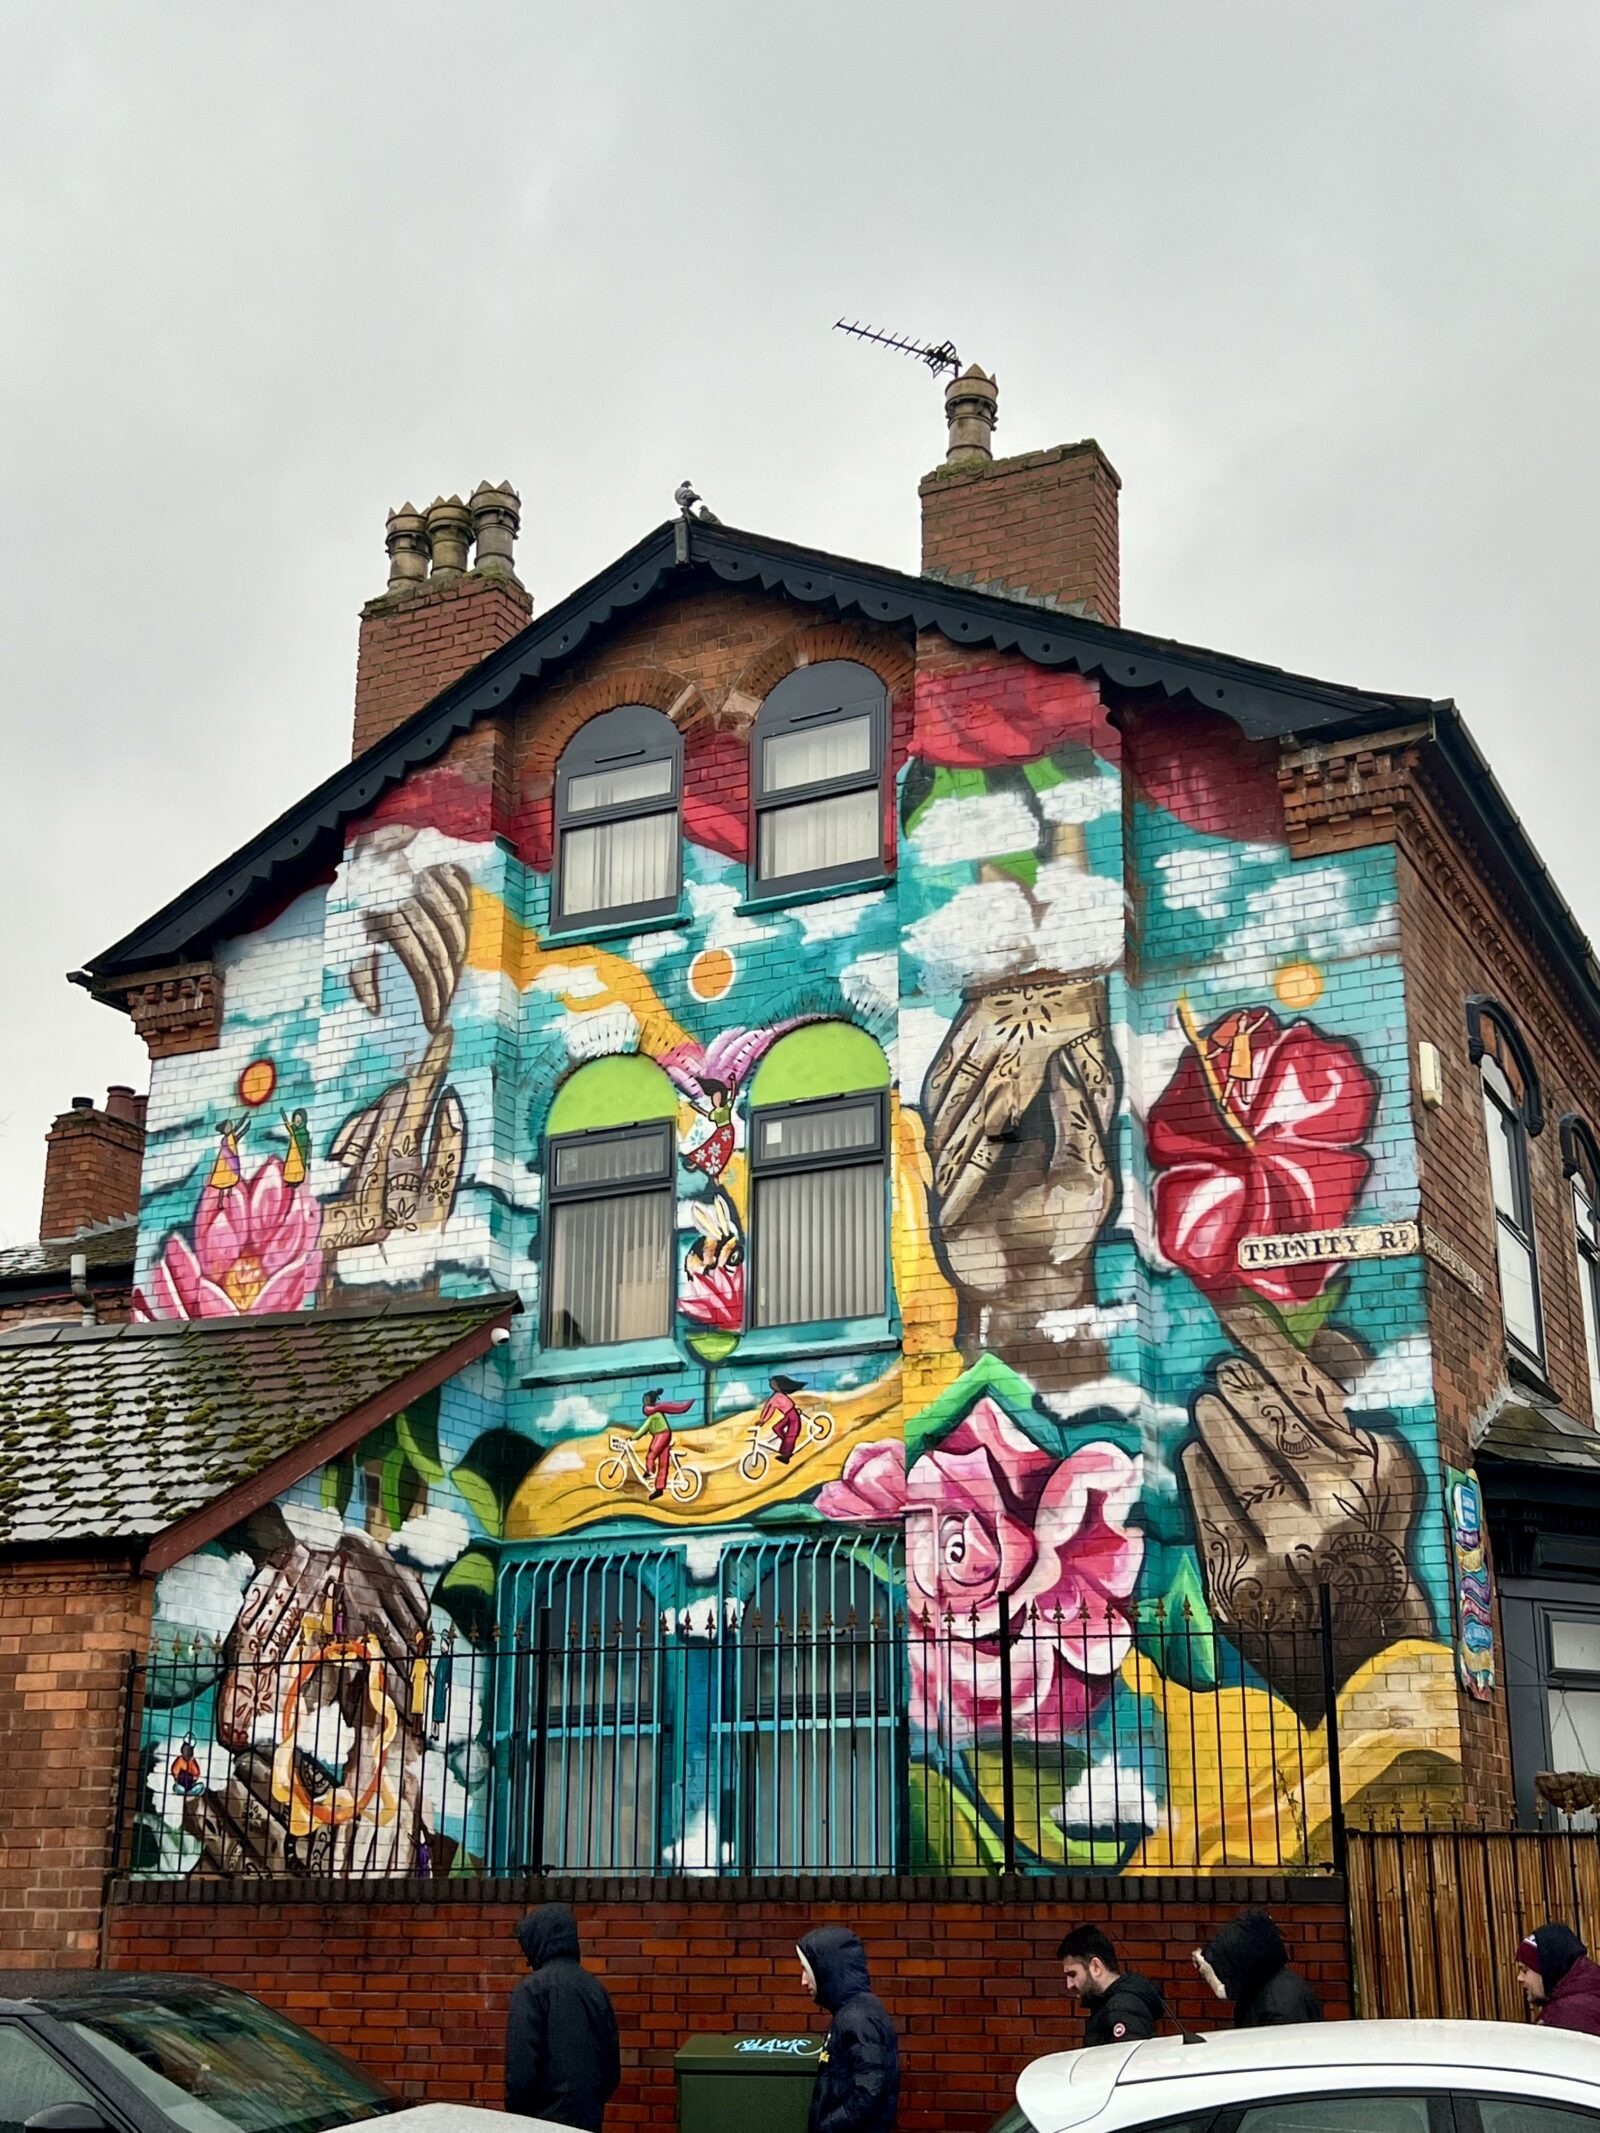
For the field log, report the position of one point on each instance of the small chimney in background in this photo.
(1041, 526)
(92, 1164)
(444, 607)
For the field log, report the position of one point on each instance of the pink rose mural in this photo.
(991, 1516)
(255, 1249)
(1258, 1133)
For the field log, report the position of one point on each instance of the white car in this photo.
(1334, 2077)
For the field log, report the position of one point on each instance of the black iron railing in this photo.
(708, 1740)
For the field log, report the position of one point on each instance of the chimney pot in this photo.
(406, 539)
(83, 1103)
(449, 531)
(496, 519)
(972, 408)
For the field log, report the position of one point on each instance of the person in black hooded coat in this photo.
(858, 2081)
(1554, 1970)
(1247, 1963)
(562, 2059)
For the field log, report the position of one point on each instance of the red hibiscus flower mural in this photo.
(1258, 1134)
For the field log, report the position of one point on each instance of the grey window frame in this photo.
(661, 1182)
(1580, 1166)
(1528, 1609)
(1526, 1117)
(763, 1166)
(806, 700)
(636, 734)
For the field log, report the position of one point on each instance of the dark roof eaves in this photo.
(1266, 702)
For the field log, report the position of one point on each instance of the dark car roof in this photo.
(24, 1987)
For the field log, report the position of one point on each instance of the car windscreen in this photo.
(220, 2062)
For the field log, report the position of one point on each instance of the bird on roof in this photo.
(686, 496)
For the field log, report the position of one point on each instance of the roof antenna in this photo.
(943, 357)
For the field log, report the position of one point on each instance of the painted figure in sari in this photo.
(712, 1156)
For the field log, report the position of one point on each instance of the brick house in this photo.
(987, 1117)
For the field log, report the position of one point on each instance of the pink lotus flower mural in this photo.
(1258, 1133)
(991, 1516)
(255, 1249)
(714, 1296)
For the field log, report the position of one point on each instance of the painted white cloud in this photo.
(647, 949)
(1082, 926)
(312, 1523)
(565, 1459)
(871, 983)
(431, 1539)
(1309, 915)
(1082, 799)
(982, 932)
(203, 1592)
(1401, 1376)
(1108, 1797)
(715, 905)
(701, 1554)
(922, 1031)
(984, 826)
(836, 916)
(1197, 880)
(574, 1415)
(734, 1395)
(580, 981)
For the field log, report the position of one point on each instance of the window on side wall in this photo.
(609, 1206)
(618, 788)
(820, 743)
(818, 1167)
(1580, 1159)
(1513, 1116)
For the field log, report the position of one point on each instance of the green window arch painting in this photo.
(818, 1174)
(608, 1188)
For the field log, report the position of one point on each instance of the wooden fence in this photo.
(1436, 1915)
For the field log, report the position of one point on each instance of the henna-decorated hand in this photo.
(1289, 1495)
(390, 1185)
(1021, 1105)
(429, 933)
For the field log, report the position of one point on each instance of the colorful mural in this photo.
(1146, 1378)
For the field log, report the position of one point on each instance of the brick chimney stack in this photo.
(438, 616)
(92, 1164)
(1042, 526)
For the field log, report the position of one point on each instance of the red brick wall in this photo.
(1042, 524)
(65, 1630)
(416, 1989)
(415, 644)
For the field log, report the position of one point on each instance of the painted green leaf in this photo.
(338, 1479)
(946, 1828)
(401, 1487)
(481, 1500)
(987, 1375)
(473, 1572)
(1181, 1644)
(466, 1592)
(1021, 866)
(1303, 1322)
(418, 1430)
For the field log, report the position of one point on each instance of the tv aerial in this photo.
(942, 357)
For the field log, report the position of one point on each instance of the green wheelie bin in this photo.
(736, 2084)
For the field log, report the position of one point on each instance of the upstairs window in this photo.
(618, 787)
(609, 1205)
(820, 745)
(1581, 1161)
(818, 1132)
(1513, 1115)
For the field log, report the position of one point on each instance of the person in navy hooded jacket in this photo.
(858, 2081)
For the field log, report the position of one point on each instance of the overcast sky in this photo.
(1321, 279)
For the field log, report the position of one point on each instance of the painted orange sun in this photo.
(257, 1082)
(711, 973)
(1299, 985)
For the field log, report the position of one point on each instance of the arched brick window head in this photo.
(820, 743)
(1513, 1115)
(619, 786)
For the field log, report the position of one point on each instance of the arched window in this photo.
(618, 786)
(1580, 1163)
(820, 745)
(1513, 1113)
(608, 1195)
(818, 1135)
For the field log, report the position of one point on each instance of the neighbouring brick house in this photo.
(984, 1115)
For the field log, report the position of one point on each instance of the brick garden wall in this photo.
(414, 1983)
(66, 1628)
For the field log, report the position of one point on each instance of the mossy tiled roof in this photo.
(117, 1432)
(108, 1247)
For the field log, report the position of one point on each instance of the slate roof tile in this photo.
(116, 1432)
